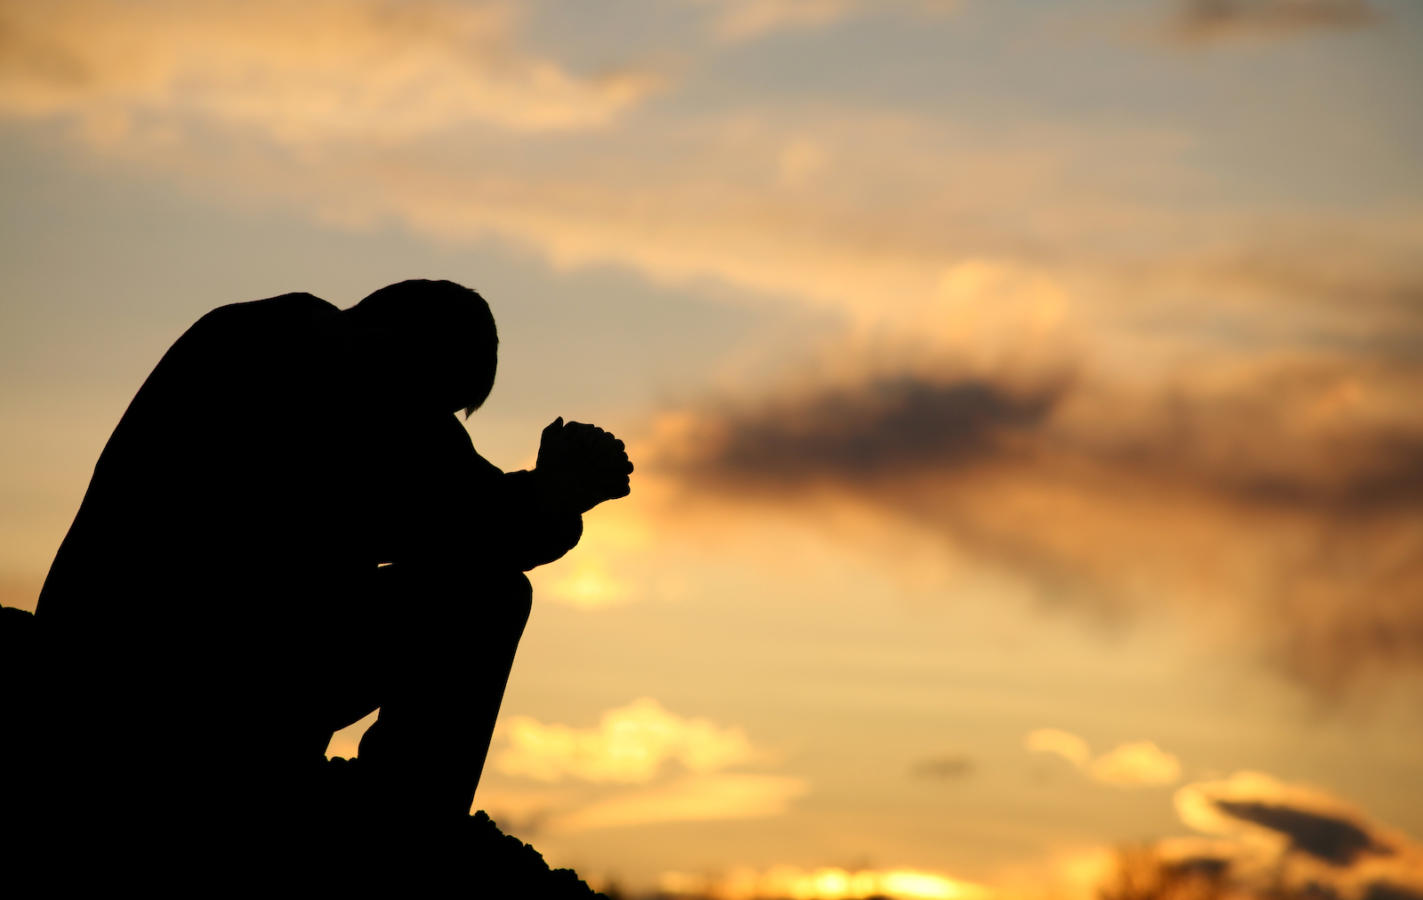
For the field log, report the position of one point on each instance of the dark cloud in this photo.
(873, 431)
(944, 768)
(1202, 21)
(1330, 838)
(1250, 442)
(1330, 850)
(1286, 498)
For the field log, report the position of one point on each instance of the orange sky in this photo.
(1024, 395)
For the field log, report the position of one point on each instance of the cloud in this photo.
(1273, 832)
(1134, 764)
(1331, 839)
(1263, 838)
(631, 744)
(1205, 21)
(869, 432)
(1305, 820)
(745, 20)
(1279, 500)
(298, 73)
(696, 798)
(675, 763)
(1059, 743)
(1140, 763)
(431, 116)
(946, 768)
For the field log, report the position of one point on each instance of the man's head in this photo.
(435, 338)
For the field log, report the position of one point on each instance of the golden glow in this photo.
(697, 798)
(824, 884)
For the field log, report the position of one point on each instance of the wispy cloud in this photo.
(297, 73)
(1061, 743)
(1203, 21)
(744, 20)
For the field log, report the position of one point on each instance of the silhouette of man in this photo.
(288, 529)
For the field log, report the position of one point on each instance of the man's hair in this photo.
(438, 317)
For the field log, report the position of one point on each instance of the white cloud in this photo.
(630, 744)
(1059, 743)
(1133, 764)
(1139, 763)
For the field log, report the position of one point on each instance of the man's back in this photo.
(187, 606)
(221, 462)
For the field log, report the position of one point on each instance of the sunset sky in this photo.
(1025, 395)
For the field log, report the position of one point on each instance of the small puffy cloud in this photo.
(630, 744)
(1137, 763)
(696, 798)
(1059, 743)
(1202, 21)
(1133, 764)
(300, 73)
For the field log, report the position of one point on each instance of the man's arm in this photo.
(519, 520)
(452, 659)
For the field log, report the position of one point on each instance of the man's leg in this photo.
(454, 648)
